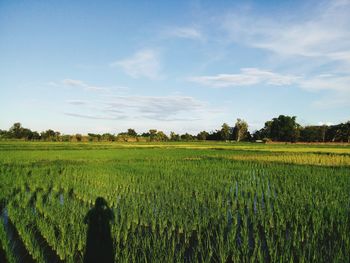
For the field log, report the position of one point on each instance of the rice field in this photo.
(176, 202)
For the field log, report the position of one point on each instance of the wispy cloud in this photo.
(315, 46)
(336, 86)
(184, 32)
(170, 108)
(81, 84)
(75, 83)
(77, 102)
(246, 77)
(94, 117)
(325, 33)
(339, 83)
(144, 63)
(160, 108)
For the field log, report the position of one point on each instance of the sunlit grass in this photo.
(182, 201)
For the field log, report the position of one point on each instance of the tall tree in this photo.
(240, 130)
(225, 132)
(152, 134)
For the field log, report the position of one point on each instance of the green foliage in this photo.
(174, 137)
(157, 136)
(94, 137)
(313, 133)
(225, 132)
(187, 137)
(50, 135)
(202, 136)
(283, 128)
(132, 132)
(339, 133)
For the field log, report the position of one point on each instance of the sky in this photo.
(183, 66)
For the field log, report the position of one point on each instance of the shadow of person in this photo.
(99, 244)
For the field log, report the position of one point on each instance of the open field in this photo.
(177, 202)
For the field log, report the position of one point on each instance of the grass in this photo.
(202, 201)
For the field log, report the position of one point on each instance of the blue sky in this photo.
(105, 66)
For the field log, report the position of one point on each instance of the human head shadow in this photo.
(99, 244)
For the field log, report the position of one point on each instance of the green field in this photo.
(177, 202)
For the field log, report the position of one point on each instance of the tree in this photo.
(35, 136)
(152, 134)
(94, 137)
(32, 135)
(214, 136)
(284, 128)
(187, 137)
(145, 134)
(132, 132)
(202, 136)
(65, 138)
(240, 130)
(108, 137)
(313, 133)
(161, 136)
(263, 133)
(78, 137)
(16, 131)
(225, 132)
(49, 135)
(174, 137)
(4, 134)
(155, 135)
(338, 133)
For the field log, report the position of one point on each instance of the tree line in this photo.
(280, 129)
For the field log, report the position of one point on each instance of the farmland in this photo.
(177, 202)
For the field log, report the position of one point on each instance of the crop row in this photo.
(205, 209)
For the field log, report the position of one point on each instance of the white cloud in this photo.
(338, 83)
(325, 33)
(144, 63)
(246, 77)
(185, 32)
(337, 88)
